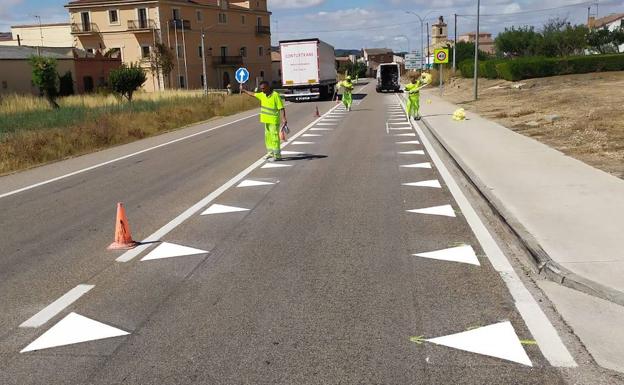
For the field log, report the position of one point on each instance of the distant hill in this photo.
(347, 52)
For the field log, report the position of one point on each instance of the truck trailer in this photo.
(308, 69)
(388, 77)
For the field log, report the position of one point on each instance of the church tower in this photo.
(439, 32)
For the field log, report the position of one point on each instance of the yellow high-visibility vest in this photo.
(270, 107)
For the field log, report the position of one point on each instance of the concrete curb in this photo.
(544, 264)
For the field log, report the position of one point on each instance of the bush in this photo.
(45, 77)
(525, 68)
(126, 80)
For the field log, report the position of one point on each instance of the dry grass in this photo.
(591, 119)
(24, 148)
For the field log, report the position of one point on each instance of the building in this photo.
(44, 35)
(486, 42)
(439, 39)
(373, 57)
(88, 71)
(276, 69)
(610, 22)
(235, 34)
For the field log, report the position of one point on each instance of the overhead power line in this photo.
(584, 4)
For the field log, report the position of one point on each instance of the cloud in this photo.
(282, 4)
(8, 6)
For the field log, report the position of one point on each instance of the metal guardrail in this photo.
(263, 30)
(141, 24)
(227, 60)
(180, 24)
(84, 28)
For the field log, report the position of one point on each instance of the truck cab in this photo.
(388, 77)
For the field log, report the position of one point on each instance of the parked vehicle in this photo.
(308, 69)
(388, 77)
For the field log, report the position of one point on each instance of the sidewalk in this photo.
(569, 214)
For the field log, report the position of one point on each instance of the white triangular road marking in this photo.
(426, 183)
(276, 165)
(254, 183)
(292, 153)
(462, 254)
(499, 340)
(446, 210)
(321, 129)
(409, 134)
(400, 128)
(171, 250)
(73, 329)
(297, 142)
(409, 142)
(222, 209)
(311, 135)
(417, 165)
(414, 152)
(326, 124)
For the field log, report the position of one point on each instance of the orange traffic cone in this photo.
(123, 237)
(317, 113)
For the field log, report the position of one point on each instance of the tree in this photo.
(46, 78)
(520, 41)
(560, 38)
(464, 51)
(161, 61)
(126, 80)
(605, 41)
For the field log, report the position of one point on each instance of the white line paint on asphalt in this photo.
(73, 329)
(499, 340)
(56, 307)
(409, 142)
(408, 134)
(444, 210)
(171, 250)
(417, 165)
(426, 183)
(223, 209)
(414, 152)
(539, 325)
(120, 158)
(461, 254)
(177, 221)
(254, 183)
(298, 142)
(310, 135)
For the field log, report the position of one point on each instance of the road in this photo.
(326, 277)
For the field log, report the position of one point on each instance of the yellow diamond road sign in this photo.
(441, 56)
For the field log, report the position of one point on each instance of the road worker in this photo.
(347, 92)
(273, 116)
(413, 96)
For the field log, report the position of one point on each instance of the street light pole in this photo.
(422, 22)
(455, 43)
(476, 58)
(203, 35)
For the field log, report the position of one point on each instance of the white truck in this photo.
(308, 69)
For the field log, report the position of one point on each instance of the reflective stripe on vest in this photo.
(272, 112)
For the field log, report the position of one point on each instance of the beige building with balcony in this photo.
(235, 33)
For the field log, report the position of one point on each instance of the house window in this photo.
(200, 16)
(199, 51)
(90, 50)
(176, 13)
(243, 19)
(259, 21)
(260, 51)
(5, 85)
(243, 51)
(113, 16)
(222, 18)
(182, 81)
(180, 51)
(201, 79)
(145, 51)
(262, 74)
(224, 51)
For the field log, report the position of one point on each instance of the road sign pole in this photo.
(441, 76)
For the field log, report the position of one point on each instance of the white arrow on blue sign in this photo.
(242, 75)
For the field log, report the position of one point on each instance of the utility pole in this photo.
(455, 43)
(204, 62)
(186, 80)
(476, 58)
(422, 48)
(40, 29)
(427, 44)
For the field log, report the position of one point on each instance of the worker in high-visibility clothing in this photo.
(273, 116)
(413, 97)
(347, 92)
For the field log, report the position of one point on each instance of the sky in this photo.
(356, 24)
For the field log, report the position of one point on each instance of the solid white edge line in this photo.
(48, 312)
(30, 187)
(155, 237)
(539, 325)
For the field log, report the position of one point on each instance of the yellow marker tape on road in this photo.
(418, 340)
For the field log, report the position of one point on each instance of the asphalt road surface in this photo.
(322, 274)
